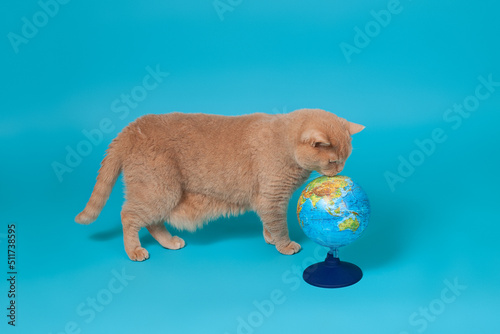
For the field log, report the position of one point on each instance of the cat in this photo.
(188, 169)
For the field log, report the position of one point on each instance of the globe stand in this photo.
(332, 273)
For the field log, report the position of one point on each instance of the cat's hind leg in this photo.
(132, 223)
(163, 236)
(136, 215)
(151, 195)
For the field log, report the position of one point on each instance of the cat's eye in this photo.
(333, 161)
(320, 144)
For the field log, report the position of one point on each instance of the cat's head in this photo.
(324, 141)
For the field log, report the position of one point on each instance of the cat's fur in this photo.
(188, 169)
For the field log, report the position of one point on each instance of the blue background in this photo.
(439, 225)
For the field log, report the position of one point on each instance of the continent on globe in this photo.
(320, 189)
(349, 224)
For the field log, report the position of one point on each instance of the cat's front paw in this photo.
(138, 254)
(175, 243)
(291, 248)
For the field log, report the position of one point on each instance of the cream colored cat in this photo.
(188, 169)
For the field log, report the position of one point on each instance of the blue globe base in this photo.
(332, 273)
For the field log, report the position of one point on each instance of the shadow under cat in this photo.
(245, 226)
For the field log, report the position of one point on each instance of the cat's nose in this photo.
(330, 173)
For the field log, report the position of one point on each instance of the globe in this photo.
(333, 212)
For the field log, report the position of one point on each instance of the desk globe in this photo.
(333, 212)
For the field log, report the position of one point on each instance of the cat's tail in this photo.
(110, 169)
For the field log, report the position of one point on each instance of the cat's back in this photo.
(188, 134)
(185, 127)
(209, 122)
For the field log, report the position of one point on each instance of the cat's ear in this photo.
(354, 128)
(315, 138)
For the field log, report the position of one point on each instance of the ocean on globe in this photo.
(333, 211)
